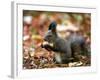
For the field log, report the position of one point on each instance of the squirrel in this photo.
(66, 49)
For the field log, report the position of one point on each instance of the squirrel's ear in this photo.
(52, 26)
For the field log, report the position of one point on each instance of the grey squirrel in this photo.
(66, 49)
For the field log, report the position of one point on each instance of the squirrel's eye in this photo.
(49, 35)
